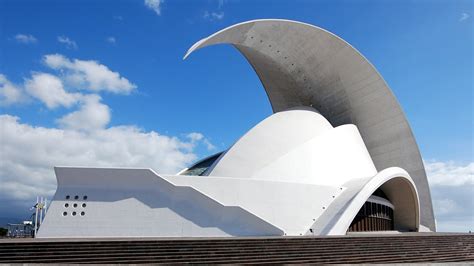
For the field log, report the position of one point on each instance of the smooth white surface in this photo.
(396, 184)
(140, 203)
(303, 65)
(270, 139)
(291, 173)
(288, 206)
(299, 146)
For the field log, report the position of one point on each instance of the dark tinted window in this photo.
(200, 167)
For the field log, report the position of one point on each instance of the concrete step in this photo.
(347, 249)
(247, 248)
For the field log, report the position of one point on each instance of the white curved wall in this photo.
(395, 182)
(140, 203)
(302, 65)
(330, 159)
(298, 146)
(292, 174)
(270, 139)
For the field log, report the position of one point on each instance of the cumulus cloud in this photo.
(70, 44)
(9, 92)
(92, 115)
(449, 173)
(154, 5)
(82, 138)
(50, 90)
(61, 88)
(25, 38)
(29, 154)
(452, 189)
(89, 74)
(196, 137)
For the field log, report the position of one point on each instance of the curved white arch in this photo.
(402, 193)
(303, 65)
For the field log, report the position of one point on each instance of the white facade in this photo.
(292, 174)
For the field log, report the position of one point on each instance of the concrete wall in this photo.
(140, 203)
(284, 177)
(396, 184)
(303, 65)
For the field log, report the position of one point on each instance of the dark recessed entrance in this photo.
(375, 215)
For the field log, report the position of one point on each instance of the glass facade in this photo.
(373, 217)
(200, 167)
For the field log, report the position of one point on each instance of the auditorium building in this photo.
(337, 155)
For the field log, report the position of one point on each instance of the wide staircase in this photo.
(416, 247)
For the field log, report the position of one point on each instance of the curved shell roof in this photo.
(303, 65)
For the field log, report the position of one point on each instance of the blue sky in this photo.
(147, 93)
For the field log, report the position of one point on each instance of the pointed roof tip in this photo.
(187, 54)
(194, 47)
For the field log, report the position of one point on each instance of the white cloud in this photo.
(452, 188)
(111, 40)
(213, 15)
(196, 137)
(209, 145)
(453, 208)
(90, 75)
(449, 173)
(29, 154)
(50, 90)
(154, 5)
(464, 16)
(9, 93)
(70, 44)
(92, 115)
(57, 61)
(25, 38)
(445, 206)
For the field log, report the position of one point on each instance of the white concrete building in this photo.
(337, 155)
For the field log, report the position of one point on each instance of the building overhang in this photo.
(303, 65)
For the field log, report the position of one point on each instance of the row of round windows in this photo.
(66, 205)
(76, 197)
(74, 213)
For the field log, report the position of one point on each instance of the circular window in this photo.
(64, 213)
(85, 197)
(83, 213)
(83, 205)
(75, 205)
(76, 197)
(66, 205)
(74, 213)
(68, 197)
